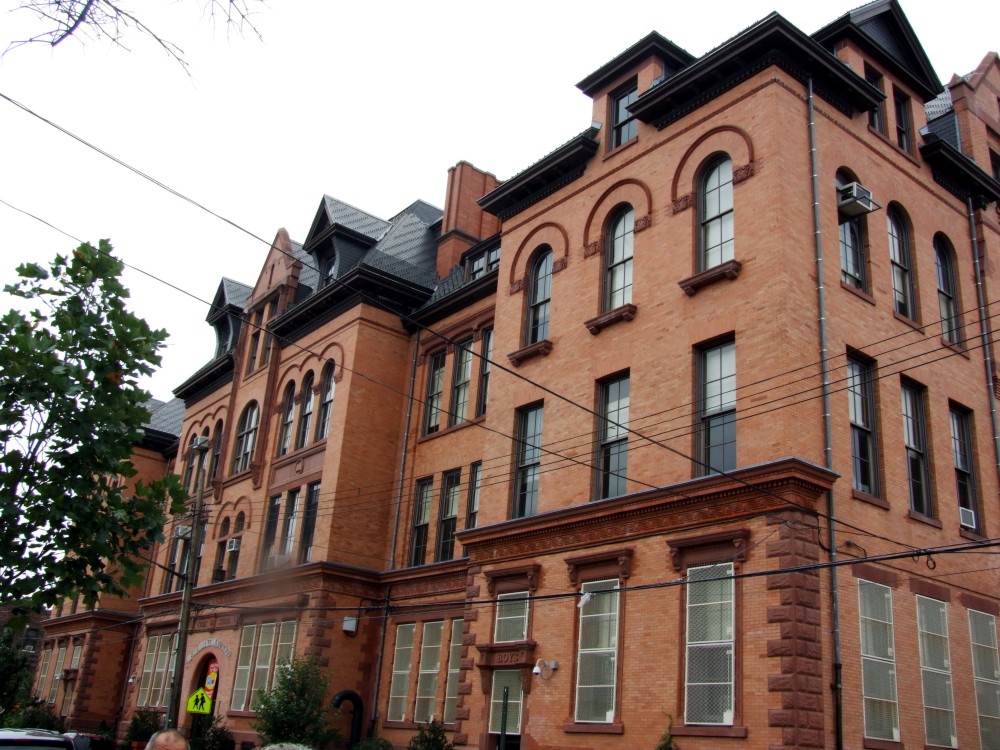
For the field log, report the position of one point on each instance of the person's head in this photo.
(168, 739)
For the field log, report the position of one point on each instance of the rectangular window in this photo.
(935, 673)
(451, 485)
(508, 680)
(402, 660)
(482, 264)
(43, 670)
(484, 373)
(427, 677)
(309, 523)
(597, 655)
(288, 524)
(965, 477)
(876, 117)
(529, 461)
(435, 389)
(861, 401)
(878, 661)
(718, 416)
(244, 660)
(454, 666)
(262, 664)
(622, 121)
(709, 689)
(254, 341)
(270, 530)
(268, 337)
(853, 262)
(421, 519)
(512, 617)
(613, 447)
(986, 672)
(475, 481)
(158, 671)
(460, 380)
(263, 649)
(904, 124)
(915, 439)
(57, 669)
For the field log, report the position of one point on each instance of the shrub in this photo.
(295, 709)
(143, 725)
(36, 715)
(213, 736)
(431, 736)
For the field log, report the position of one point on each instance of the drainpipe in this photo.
(395, 529)
(824, 355)
(984, 332)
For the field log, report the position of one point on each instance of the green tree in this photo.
(15, 687)
(430, 736)
(71, 411)
(296, 708)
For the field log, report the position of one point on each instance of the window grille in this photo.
(878, 661)
(709, 683)
(427, 676)
(597, 655)
(986, 671)
(402, 660)
(935, 673)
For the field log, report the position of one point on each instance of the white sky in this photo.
(370, 102)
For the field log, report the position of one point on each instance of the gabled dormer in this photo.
(338, 239)
(226, 314)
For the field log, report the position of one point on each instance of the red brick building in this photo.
(690, 424)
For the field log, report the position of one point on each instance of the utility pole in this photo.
(173, 706)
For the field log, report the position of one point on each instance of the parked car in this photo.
(36, 739)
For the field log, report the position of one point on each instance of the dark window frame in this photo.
(619, 266)
(308, 532)
(712, 217)
(876, 116)
(422, 498)
(485, 365)
(612, 437)
(303, 430)
(328, 387)
(284, 442)
(860, 388)
(964, 457)
(904, 120)
(434, 392)
(537, 320)
(527, 466)
(947, 289)
(624, 126)
(716, 424)
(451, 487)
(246, 438)
(475, 489)
(461, 383)
(901, 262)
(918, 463)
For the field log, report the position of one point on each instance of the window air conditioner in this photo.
(967, 517)
(183, 531)
(233, 545)
(854, 199)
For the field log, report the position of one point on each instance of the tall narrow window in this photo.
(289, 522)
(915, 439)
(718, 415)
(861, 401)
(965, 476)
(597, 653)
(716, 213)
(485, 362)
(876, 116)
(539, 297)
(618, 259)
(460, 380)
(325, 402)
(246, 436)
(853, 256)
(935, 673)
(265, 357)
(899, 256)
(271, 529)
(191, 458)
(254, 343)
(435, 389)
(878, 661)
(287, 419)
(709, 694)
(402, 662)
(57, 672)
(43, 670)
(623, 125)
(244, 661)
(613, 446)
(421, 519)
(427, 676)
(450, 489)
(511, 624)
(262, 665)
(309, 524)
(904, 124)
(951, 324)
(305, 413)
(454, 667)
(475, 479)
(509, 680)
(529, 461)
(986, 672)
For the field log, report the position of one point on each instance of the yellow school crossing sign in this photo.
(199, 702)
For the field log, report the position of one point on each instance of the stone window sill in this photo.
(598, 324)
(970, 534)
(860, 293)
(871, 499)
(693, 284)
(957, 348)
(871, 744)
(697, 731)
(539, 348)
(930, 521)
(909, 321)
(450, 430)
(584, 728)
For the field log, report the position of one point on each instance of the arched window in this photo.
(224, 530)
(539, 296)
(325, 402)
(853, 255)
(192, 456)
(213, 467)
(899, 256)
(246, 436)
(305, 413)
(715, 208)
(287, 418)
(618, 259)
(241, 521)
(944, 258)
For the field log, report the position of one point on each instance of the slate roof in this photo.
(355, 219)
(166, 416)
(235, 292)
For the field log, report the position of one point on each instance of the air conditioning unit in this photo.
(854, 199)
(233, 545)
(28, 648)
(967, 517)
(183, 531)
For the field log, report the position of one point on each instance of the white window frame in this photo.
(594, 620)
(454, 667)
(157, 671)
(512, 607)
(695, 644)
(431, 640)
(986, 674)
(510, 678)
(871, 660)
(264, 649)
(244, 662)
(935, 672)
(402, 663)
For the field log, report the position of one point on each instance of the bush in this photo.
(213, 736)
(296, 709)
(373, 743)
(143, 725)
(431, 737)
(36, 715)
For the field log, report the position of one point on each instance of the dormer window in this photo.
(222, 336)
(623, 126)
(326, 264)
(484, 262)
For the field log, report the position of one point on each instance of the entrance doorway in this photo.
(208, 680)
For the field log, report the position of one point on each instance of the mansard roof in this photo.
(231, 296)
(883, 31)
(653, 45)
(163, 428)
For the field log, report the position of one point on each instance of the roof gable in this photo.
(652, 45)
(280, 266)
(231, 296)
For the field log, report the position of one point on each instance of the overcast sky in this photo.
(369, 102)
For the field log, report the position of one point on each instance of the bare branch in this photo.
(76, 24)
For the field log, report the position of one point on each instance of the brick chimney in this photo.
(464, 223)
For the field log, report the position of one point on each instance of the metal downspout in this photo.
(395, 530)
(827, 430)
(984, 332)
